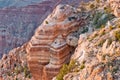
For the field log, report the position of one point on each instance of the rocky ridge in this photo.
(26, 19)
(18, 74)
(48, 50)
(97, 55)
(95, 58)
(17, 24)
(115, 6)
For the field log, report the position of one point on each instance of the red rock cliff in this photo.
(48, 50)
(17, 25)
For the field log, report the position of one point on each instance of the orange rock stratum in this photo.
(47, 50)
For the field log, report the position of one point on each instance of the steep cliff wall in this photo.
(97, 55)
(48, 50)
(95, 58)
(17, 24)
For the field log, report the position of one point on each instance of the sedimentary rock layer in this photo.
(47, 49)
(17, 24)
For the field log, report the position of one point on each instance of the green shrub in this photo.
(46, 22)
(65, 69)
(101, 42)
(109, 41)
(117, 35)
(92, 6)
(26, 72)
(16, 78)
(94, 36)
(9, 73)
(82, 66)
(108, 9)
(118, 26)
(71, 67)
(72, 18)
(112, 68)
(102, 32)
(100, 19)
(111, 27)
(85, 29)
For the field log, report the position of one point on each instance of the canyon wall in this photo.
(17, 24)
(96, 57)
(48, 50)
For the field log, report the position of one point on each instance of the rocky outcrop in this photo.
(48, 50)
(14, 65)
(98, 54)
(115, 6)
(18, 23)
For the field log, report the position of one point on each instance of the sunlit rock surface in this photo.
(17, 24)
(115, 6)
(98, 54)
(48, 50)
(14, 65)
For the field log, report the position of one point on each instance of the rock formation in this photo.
(26, 19)
(115, 6)
(13, 66)
(48, 50)
(17, 23)
(98, 54)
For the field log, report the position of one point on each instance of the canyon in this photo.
(18, 24)
(71, 43)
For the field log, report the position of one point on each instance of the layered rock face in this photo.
(98, 54)
(18, 22)
(14, 65)
(48, 50)
(17, 25)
